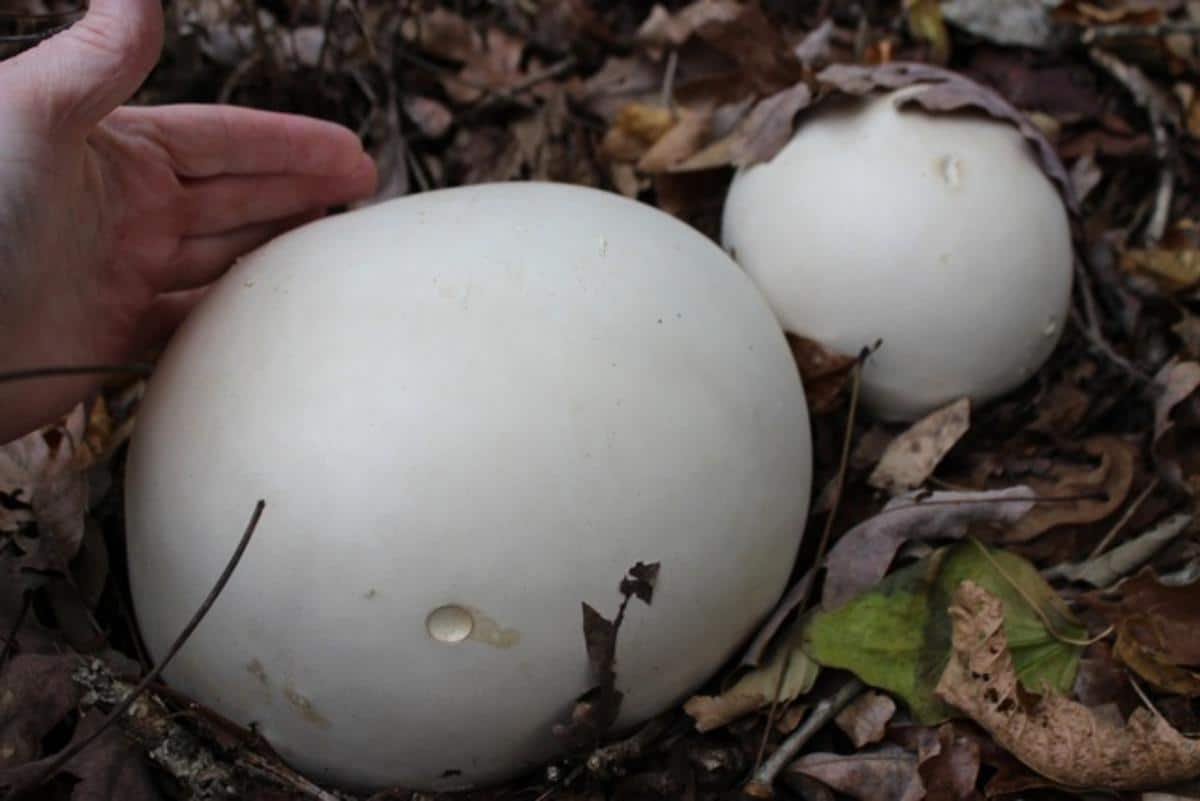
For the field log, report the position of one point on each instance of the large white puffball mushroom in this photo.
(938, 234)
(469, 411)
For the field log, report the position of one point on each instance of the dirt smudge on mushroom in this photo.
(305, 707)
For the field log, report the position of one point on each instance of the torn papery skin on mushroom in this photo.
(938, 234)
(469, 411)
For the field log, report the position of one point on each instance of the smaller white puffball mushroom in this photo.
(469, 411)
(937, 234)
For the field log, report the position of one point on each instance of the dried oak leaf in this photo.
(1060, 739)
(1176, 425)
(887, 773)
(912, 457)
(740, 31)
(1088, 493)
(865, 720)
(1158, 629)
(947, 91)
(863, 554)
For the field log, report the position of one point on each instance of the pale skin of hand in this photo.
(114, 220)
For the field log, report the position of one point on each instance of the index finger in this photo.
(204, 141)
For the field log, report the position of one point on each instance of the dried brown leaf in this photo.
(597, 709)
(1085, 494)
(740, 31)
(887, 773)
(1158, 629)
(949, 764)
(1059, 738)
(769, 126)
(824, 372)
(862, 556)
(36, 695)
(912, 457)
(1175, 270)
(865, 720)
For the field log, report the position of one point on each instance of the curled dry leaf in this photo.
(1112, 565)
(948, 91)
(1176, 421)
(912, 457)
(1059, 738)
(1080, 494)
(862, 556)
(865, 720)
(759, 687)
(887, 773)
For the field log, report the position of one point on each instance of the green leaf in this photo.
(896, 636)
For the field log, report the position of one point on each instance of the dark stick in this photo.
(136, 368)
(69, 753)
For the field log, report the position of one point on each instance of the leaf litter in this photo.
(1067, 506)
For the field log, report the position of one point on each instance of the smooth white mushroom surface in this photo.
(938, 234)
(469, 411)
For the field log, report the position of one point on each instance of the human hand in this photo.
(114, 220)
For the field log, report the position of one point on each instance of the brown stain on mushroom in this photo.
(256, 669)
(305, 707)
(489, 632)
(950, 170)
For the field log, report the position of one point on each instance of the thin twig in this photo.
(667, 97)
(136, 368)
(282, 775)
(1146, 95)
(760, 784)
(771, 710)
(605, 758)
(1107, 539)
(72, 751)
(1101, 33)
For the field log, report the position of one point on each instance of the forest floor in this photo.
(1024, 618)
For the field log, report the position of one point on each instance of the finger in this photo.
(200, 260)
(163, 318)
(206, 141)
(217, 205)
(73, 80)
